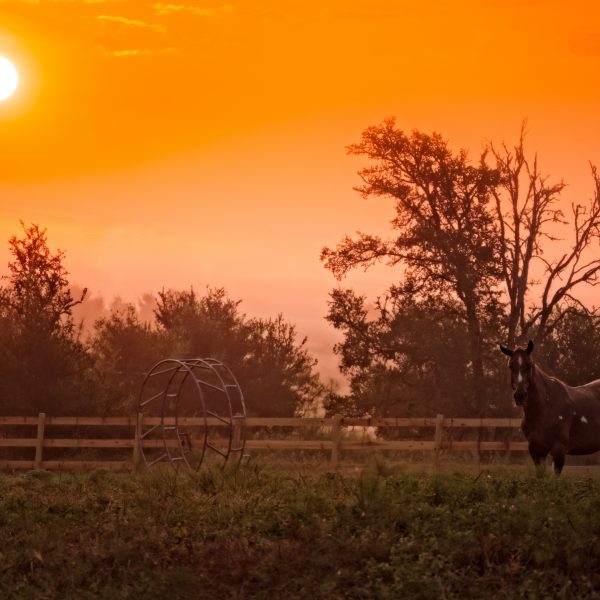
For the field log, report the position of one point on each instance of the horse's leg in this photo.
(538, 455)
(558, 457)
(540, 467)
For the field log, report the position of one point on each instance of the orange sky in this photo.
(204, 143)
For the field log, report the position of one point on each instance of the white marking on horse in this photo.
(520, 377)
(560, 417)
(583, 419)
(520, 360)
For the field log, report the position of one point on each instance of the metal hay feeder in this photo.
(190, 410)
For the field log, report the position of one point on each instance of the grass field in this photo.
(385, 532)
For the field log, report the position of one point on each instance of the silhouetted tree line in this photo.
(46, 366)
(472, 247)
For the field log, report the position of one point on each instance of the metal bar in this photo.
(161, 457)
(210, 385)
(216, 416)
(153, 398)
(143, 435)
(175, 368)
(224, 454)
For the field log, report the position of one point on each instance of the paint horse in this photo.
(558, 419)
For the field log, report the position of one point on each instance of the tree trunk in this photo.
(476, 356)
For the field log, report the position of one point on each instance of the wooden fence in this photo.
(336, 435)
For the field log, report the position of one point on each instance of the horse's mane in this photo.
(549, 377)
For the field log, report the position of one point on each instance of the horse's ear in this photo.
(505, 350)
(530, 347)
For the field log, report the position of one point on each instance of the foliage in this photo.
(272, 366)
(406, 358)
(123, 349)
(571, 353)
(210, 325)
(278, 373)
(262, 534)
(466, 239)
(43, 364)
(444, 234)
(398, 359)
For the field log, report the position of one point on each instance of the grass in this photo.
(386, 532)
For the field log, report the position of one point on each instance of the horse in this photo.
(557, 419)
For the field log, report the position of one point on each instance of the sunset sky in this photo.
(194, 143)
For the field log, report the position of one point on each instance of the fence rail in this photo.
(336, 428)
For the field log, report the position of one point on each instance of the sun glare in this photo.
(9, 78)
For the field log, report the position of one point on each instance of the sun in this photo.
(9, 78)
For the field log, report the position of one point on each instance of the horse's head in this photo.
(521, 369)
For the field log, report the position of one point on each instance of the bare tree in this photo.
(473, 239)
(526, 206)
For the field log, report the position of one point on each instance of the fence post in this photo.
(137, 450)
(336, 440)
(236, 442)
(439, 431)
(39, 446)
(479, 435)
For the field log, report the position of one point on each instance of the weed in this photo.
(260, 532)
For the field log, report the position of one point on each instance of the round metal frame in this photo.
(190, 410)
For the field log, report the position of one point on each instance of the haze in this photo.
(170, 145)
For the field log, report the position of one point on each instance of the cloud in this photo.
(131, 23)
(38, 2)
(128, 52)
(133, 35)
(166, 9)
